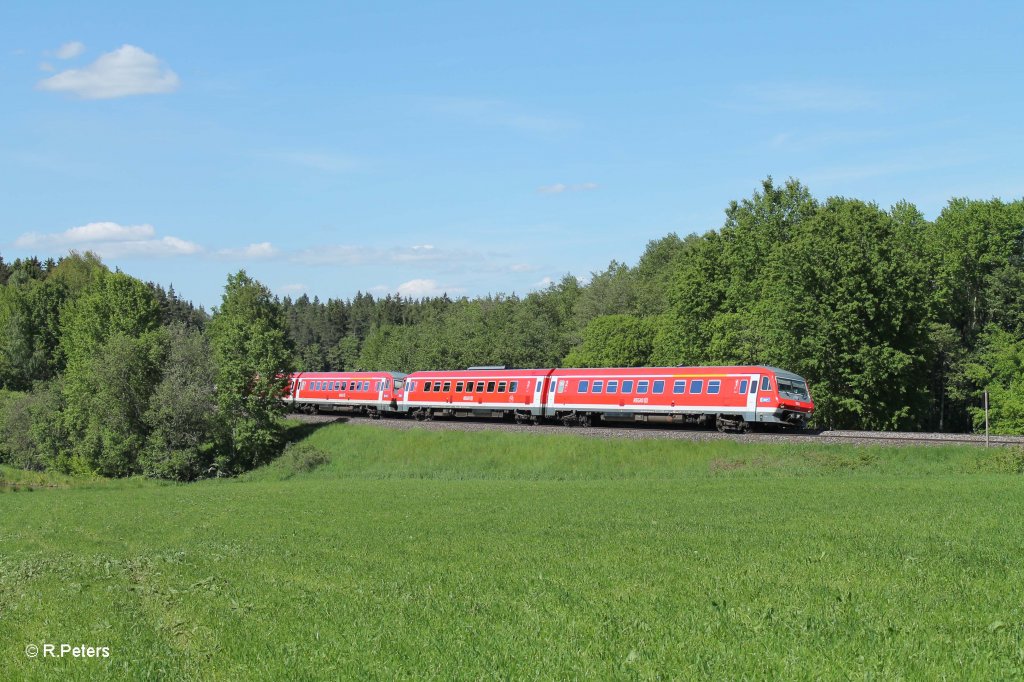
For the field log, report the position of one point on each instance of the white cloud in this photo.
(560, 187)
(544, 283)
(111, 240)
(340, 254)
(292, 289)
(46, 66)
(321, 161)
(798, 97)
(251, 252)
(69, 50)
(128, 70)
(418, 288)
(522, 267)
(492, 112)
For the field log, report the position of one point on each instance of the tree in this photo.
(253, 360)
(181, 415)
(111, 340)
(614, 341)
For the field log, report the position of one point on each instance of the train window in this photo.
(502, 386)
(627, 386)
(598, 386)
(490, 387)
(679, 386)
(743, 386)
(659, 386)
(766, 385)
(714, 385)
(697, 386)
(447, 386)
(437, 386)
(513, 386)
(387, 383)
(613, 386)
(539, 386)
(553, 384)
(561, 385)
(426, 387)
(753, 385)
(641, 386)
(479, 387)
(376, 385)
(458, 386)
(583, 386)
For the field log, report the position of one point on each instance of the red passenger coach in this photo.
(731, 398)
(372, 393)
(486, 392)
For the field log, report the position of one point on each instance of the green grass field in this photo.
(407, 554)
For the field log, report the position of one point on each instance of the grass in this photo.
(370, 553)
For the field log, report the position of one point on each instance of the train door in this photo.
(383, 393)
(755, 379)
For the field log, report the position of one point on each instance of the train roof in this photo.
(345, 375)
(484, 373)
(681, 370)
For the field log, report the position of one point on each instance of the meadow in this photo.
(367, 553)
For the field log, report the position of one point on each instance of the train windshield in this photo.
(793, 388)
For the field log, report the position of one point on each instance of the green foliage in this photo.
(253, 359)
(614, 341)
(181, 415)
(997, 367)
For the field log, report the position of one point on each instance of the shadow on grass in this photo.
(295, 430)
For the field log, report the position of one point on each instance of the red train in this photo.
(730, 398)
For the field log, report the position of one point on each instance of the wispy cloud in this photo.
(128, 70)
(292, 289)
(561, 188)
(342, 254)
(798, 141)
(69, 50)
(801, 97)
(321, 161)
(111, 240)
(418, 288)
(260, 251)
(498, 113)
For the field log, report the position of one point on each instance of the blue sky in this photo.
(476, 147)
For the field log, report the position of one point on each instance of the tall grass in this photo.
(469, 556)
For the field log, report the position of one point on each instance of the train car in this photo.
(730, 398)
(371, 393)
(517, 394)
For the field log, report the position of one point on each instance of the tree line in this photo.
(897, 322)
(101, 373)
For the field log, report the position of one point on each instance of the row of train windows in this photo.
(467, 386)
(658, 386)
(344, 385)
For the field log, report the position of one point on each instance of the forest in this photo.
(896, 321)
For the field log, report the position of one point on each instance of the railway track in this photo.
(647, 431)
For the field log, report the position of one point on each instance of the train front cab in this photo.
(780, 398)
